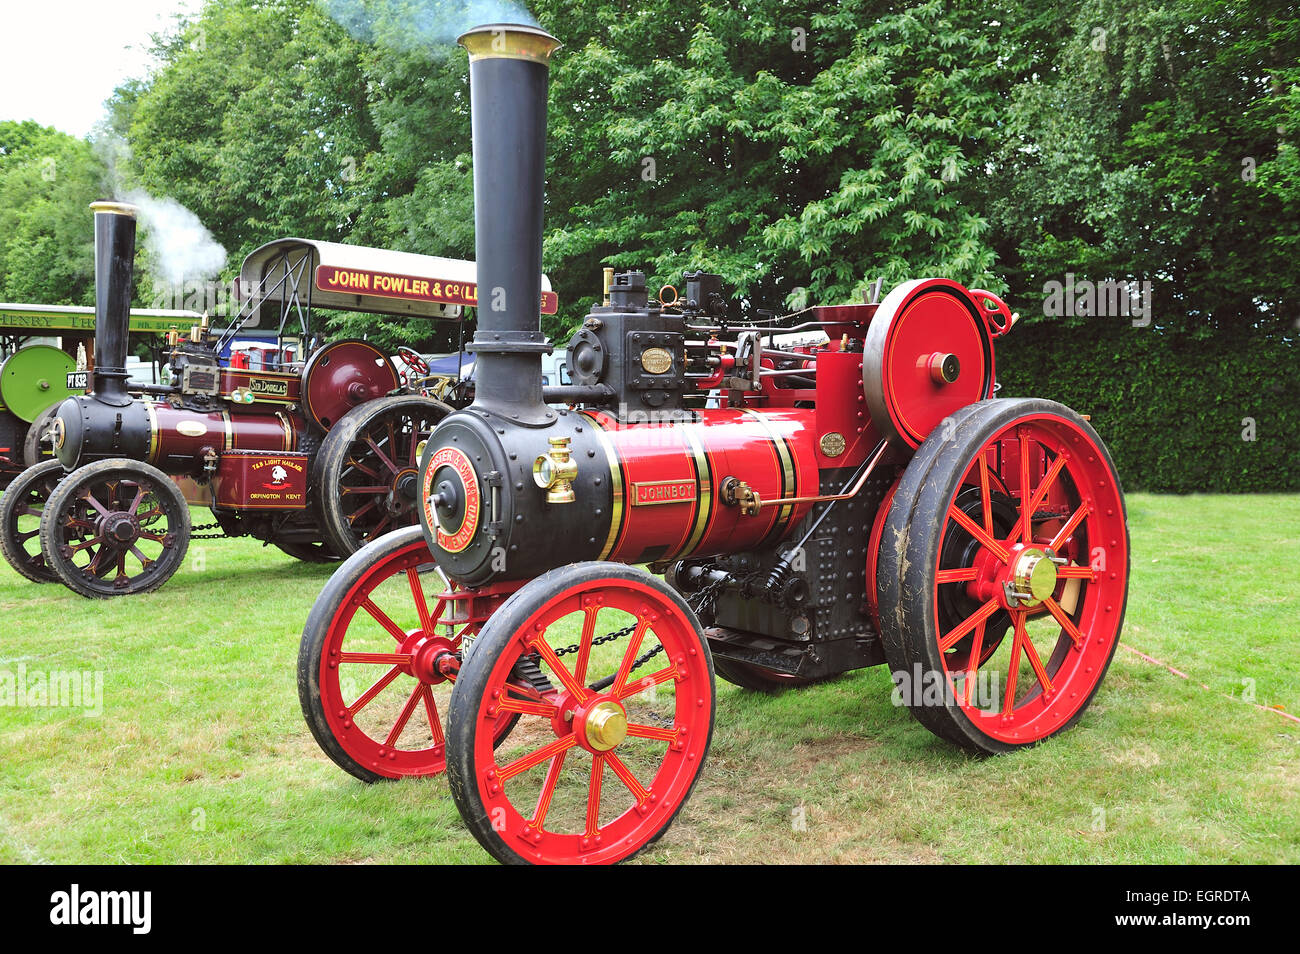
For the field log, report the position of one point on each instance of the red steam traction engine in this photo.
(315, 457)
(861, 501)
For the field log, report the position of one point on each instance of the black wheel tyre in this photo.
(758, 679)
(320, 551)
(131, 526)
(918, 643)
(20, 513)
(481, 693)
(368, 469)
(38, 446)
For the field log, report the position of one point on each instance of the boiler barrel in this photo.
(643, 492)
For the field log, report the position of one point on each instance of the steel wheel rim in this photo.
(653, 788)
(1090, 533)
(390, 677)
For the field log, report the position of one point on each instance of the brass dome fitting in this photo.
(555, 471)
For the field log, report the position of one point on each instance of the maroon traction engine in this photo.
(316, 458)
(814, 508)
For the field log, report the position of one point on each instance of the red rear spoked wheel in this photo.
(1004, 606)
(374, 668)
(612, 732)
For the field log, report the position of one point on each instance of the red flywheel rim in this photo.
(524, 828)
(1078, 525)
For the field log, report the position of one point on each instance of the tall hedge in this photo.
(1178, 414)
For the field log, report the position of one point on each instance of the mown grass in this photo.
(201, 753)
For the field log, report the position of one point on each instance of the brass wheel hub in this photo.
(1033, 576)
(605, 725)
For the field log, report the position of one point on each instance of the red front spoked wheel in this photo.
(613, 686)
(1015, 576)
(377, 660)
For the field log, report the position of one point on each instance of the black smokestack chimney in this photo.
(509, 67)
(114, 266)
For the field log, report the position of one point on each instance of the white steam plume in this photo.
(179, 245)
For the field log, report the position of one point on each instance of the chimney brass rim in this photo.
(115, 208)
(509, 41)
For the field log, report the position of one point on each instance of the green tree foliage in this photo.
(47, 179)
(799, 149)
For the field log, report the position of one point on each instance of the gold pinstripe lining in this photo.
(615, 487)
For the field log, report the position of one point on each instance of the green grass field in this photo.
(201, 754)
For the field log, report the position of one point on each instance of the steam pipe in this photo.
(508, 75)
(114, 266)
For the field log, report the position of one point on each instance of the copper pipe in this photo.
(876, 455)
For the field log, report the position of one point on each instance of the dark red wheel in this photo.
(20, 520)
(368, 469)
(1002, 601)
(377, 661)
(613, 685)
(115, 528)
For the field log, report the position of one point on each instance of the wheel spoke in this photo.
(90, 499)
(382, 619)
(561, 672)
(381, 455)
(353, 462)
(523, 764)
(958, 632)
(627, 778)
(584, 652)
(405, 716)
(431, 710)
(375, 489)
(966, 574)
(1067, 624)
(1031, 653)
(630, 654)
(638, 731)
(527, 708)
(368, 696)
(645, 682)
(1076, 573)
(421, 604)
(548, 790)
(1070, 526)
(380, 659)
(1013, 668)
(1026, 512)
(986, 498)
(1045, 484)
(593, 795)
(975, 530)
(973, 663)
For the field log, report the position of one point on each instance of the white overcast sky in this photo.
(60, 59)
